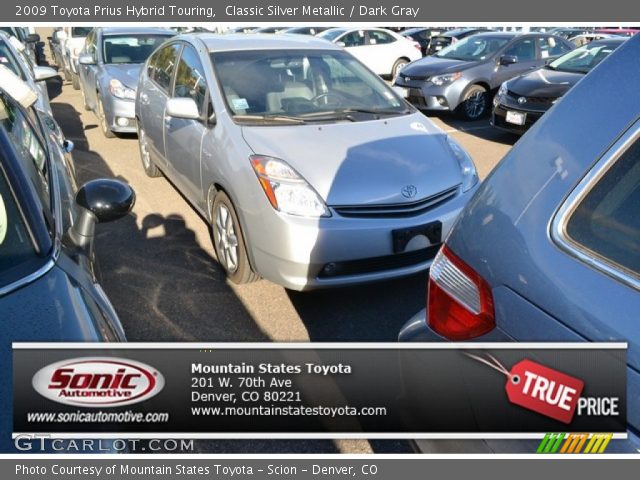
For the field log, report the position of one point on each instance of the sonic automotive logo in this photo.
(98, 382)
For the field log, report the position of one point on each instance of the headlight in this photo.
(286, 190)
(445, 79)
(502, 91)
(118, 90)
(467, 168)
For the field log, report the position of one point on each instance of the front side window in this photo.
(354, 39)
(308, 84)
(552, 47)
(28, 146)
(9, 60)
(16, 247)
(523, 50)
(121, 49)
(606, 223)
(190, 80)
(165, 64)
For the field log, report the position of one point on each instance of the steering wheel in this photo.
(327, 96)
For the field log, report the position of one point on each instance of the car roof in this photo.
(609, 41)
(459, 31)
(135, 31)
(257, 41)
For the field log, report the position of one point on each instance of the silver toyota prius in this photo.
(311, 170)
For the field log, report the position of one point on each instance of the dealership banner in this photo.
(317, 11)
(389, 390)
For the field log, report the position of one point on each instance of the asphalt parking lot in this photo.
(159, 270)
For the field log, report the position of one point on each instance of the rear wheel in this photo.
(474, 103)
(399, 65)
(228, 241)
(84, 100)
(150, 168)
(102, 118)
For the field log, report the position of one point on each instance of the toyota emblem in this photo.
(522, 100)
(409, 191)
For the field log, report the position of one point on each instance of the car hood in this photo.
(127, 73)
(544, 83)
(363, 163)
(429, 66)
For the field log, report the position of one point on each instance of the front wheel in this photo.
(102, 118)
(75, 81)
(228, 241)
(474, 103)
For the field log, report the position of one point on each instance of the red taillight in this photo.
(460, 302)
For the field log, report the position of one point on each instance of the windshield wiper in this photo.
(271, 118)
(347, 113)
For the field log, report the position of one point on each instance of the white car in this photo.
(71, 44)
(383, 51)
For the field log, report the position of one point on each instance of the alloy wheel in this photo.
(475, 105)
(226, 239)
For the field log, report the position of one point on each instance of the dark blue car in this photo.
(48, 288)
(548, 249)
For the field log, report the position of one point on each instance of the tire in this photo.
(102, 119)
(399, 65)
(149, 167)
(75, 81)
(67, 73)
(474, 103)
(228, 241)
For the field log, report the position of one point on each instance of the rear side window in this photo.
(606, 223)
(165, 64)
(380, 38)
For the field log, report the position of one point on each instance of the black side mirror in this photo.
(506, 60)
(102, 200)
(32, 38)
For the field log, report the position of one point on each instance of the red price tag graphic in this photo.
(539, 388)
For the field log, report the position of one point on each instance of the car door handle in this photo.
(144, 98)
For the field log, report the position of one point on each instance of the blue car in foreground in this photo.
(548, 249)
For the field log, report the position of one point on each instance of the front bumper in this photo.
(499, 117)
(304, 253)
(424, 95)
(116, 109)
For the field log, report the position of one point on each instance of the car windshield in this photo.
(332, 34)
(475, 47)
(80, 31)
(118, 49)
(582, 59)
(301, 86)
(16, 247)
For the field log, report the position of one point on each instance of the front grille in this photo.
(378, 264)
(534, 100)
(411, 78)
(408, 209)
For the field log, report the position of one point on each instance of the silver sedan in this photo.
(310, 169)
